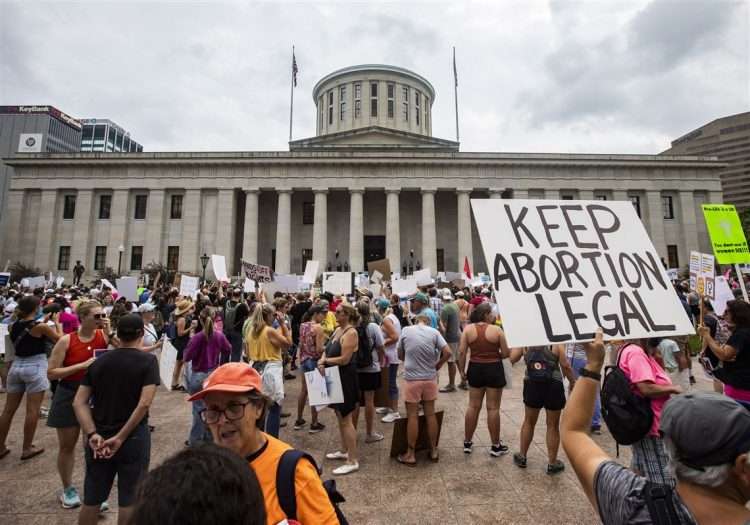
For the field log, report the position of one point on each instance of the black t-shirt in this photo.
(737, 372)
(116, 380)
(297, 312)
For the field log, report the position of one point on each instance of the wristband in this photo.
(583, 372)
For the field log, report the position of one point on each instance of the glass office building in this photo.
(106, 136)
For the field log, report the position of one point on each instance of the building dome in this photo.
(373, 95)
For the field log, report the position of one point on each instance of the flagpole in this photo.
(455, 91)
(291, 98)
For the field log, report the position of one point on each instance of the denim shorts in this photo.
(308, 365)
(28, 374)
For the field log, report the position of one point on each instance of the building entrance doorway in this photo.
(374, 247)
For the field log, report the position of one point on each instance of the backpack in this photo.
(285, 485)
(230, 313)
(364, 348)
(538, 369)
(660, 504)
(171, 328)
(628, 416)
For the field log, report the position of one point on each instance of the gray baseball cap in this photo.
(706, 428)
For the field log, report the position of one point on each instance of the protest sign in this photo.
(381, 265)
(324, 390)
(375, 290)
(249, 285)
(725, 230)
(723, 295)
(3, 333)
(109, 285)
(38, 282)
(423, 277)
(338, 282)
(189, 286)
(561, 269)
(702, 273)
(673, 274)
(219, 264)
(256, 272)
(58, 282)
(376, 277)
(5, 278)
(285, 283)
(311, 271)
(127, 287)
(167, 362)
(404, 287)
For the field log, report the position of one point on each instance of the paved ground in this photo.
(459, 489)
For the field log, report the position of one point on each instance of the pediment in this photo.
(373, 138)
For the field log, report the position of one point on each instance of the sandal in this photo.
(435, 456)
(4, 453)
(32, 454)
(400, 459)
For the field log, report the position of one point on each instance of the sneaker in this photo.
(555, 468)
(596, 429)
(382, 410)
(283, 424)
(692, 380)
(448, 388)
(299, 424)
(104, 507)
(337, 455)
(70, 498)
(346, 468)
(374, 437)
(390, 417)
(519, 459)
(499, 450)
(316, 427)
(463, 385)
(43, 412)
(286, 414)
(467, 447)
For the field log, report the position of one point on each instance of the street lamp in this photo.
(204, 263)
(120, 250)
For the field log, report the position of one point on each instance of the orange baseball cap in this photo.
(230, 377)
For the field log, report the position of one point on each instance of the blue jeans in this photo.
(393, 381)
(273, 420)
(596, 419)
(235, 339)
(198, 430)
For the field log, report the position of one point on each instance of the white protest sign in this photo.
(3, 333)
(375, 290)
(561, 269)
(189, 286)
(376, 276)
(338, 282)
(257, 272)
(285, 283)
(59, 281)
(167, 362)
(128, 288)
(311, 271)
(219, 264)
(249, 285)
(702, 274)
(423, 277)
(404, 287)
(673, 274)
(723, 295)
(109, 285)
(324, 390)
(37, 282)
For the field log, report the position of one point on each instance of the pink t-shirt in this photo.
(639, 367)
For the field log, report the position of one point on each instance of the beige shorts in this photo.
(454, 352)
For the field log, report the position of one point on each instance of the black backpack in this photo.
(364, 348)
(285, 485)
(538, 369)
(628, 416)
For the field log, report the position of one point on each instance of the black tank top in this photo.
(26, 345)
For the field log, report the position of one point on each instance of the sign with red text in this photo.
(563, 268)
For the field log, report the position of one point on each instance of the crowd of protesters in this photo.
(87, 360)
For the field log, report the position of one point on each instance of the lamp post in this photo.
(204, 263)
(120, 250)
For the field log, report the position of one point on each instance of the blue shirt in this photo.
(432, 315)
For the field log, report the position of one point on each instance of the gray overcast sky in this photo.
(560, 75)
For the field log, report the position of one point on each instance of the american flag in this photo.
(295, 70)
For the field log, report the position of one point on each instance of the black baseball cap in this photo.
(129, 327)
(706, 428)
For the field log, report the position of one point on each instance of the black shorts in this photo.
(61, 414)
(486, 375)
(129, 464)
(549, 395)
(368, 381)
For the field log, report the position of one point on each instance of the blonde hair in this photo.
(207, 321)
(84, 308)
(258, 318)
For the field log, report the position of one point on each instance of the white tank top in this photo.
(391, 351)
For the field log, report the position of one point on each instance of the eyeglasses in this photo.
(233, 412)
(100, 316)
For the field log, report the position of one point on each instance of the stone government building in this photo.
(373, 182)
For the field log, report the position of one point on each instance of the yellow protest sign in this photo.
(725, 229)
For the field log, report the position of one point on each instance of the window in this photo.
(417, 110)
(672, 258)
(306, 256)
(330, 108)
(357, 100)
(140, 206)
(391, 103)
(105, 206)
(308, 213)
(322, 113)
(600, 197)
(100, 257)
(426, 112)
(566, 197)
(373, 99)
(173, 257)
(111, 140)
(63, 258)
(440, 260)
(342, 102)
(405, 102)
(667, 209)
(175, 208)
(69, 208)
(635, 200)
(136, 257)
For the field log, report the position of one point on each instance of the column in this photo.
(320, 229)
(14, 233)
(429, 236)
(689, 225)
(496, 193)
(586, 195)
(82, 229)
(45, 230)
(464, 229)
(356, 231)
(520, 193)
(393, 229)
(656, 222)
(118, 227)
(225, 220)
(284, 232)
(191, 227)
(250, 237)
(620, 195)
(154, 227)
(715, 197)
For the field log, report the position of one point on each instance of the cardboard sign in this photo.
(381, 265)
(702, 274)
(189, 286)
(404, 287)
(219, 264)
(167, 362)
(128, 287)
(725, 230)
(376, 277)
(563, 268)
(4, 278)
(324, 390)
(338, 282)
(249, 285)
(311, 272)
(398, 441)
(256, 272)
(423, 277)
(723, 295)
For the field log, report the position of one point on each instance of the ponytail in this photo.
(207, 321)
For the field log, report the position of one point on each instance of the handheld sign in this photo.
(702, 276)
(189, 286)
(725, 230)
(338, 282)
(311, 272)
(561, 269)
(256, 272)
(219, 264)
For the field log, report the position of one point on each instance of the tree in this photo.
(155, 268)
(107, 273)
(19, 270)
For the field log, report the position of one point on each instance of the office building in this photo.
(103, 135)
